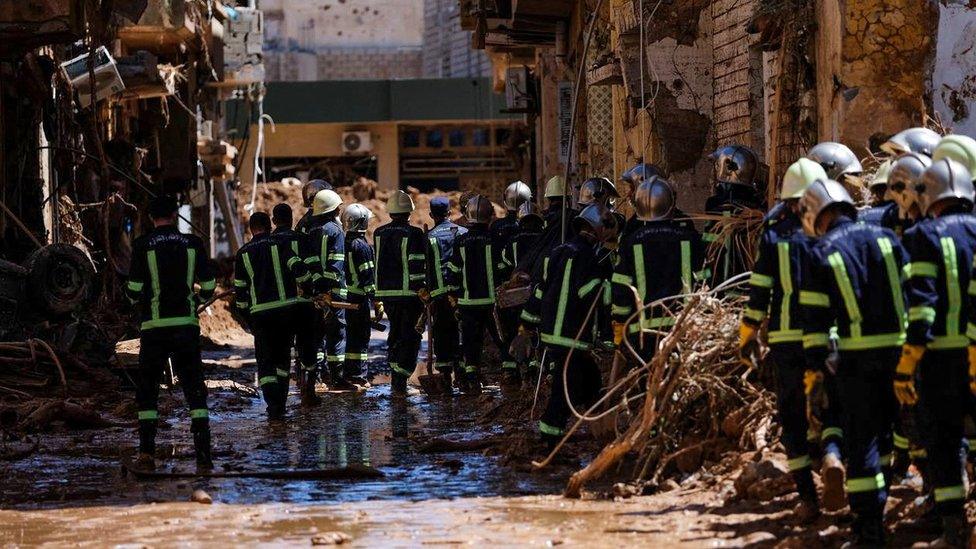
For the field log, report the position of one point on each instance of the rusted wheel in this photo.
(61, 279)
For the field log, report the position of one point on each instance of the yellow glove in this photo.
(972, 369)
(452, 300)
(748, 343)
(378, 310)
(618, 333)
(811, 379)
(423, 294)
(905, 374)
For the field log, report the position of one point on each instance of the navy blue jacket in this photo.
(886, 215)
(401, 261)
(327, 254)
(267, 274)
(360, 268)
(473, 267)
(442, 239)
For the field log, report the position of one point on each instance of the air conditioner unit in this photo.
(107, 79)
(357, 142)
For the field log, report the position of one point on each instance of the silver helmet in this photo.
(597, 220)
(641, 173)
(529, 209)
(945, 179)
(654, 199)
(837, 159)
(903, 180)
(736, 164)
(355, 218)
(312, 188)
(821, 195)
(597, 190)
(479, 210)
(516, 194)
(913, 140)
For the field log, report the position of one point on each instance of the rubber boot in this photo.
(472, 384)
(866, 532)
(807, 510)
(201, 448)
(283, 383)
(832, 476)
(147, 437)
(309, 398)
(531, 376)
(398, 385)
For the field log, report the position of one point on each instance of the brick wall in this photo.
(344, 64)
(735, 74)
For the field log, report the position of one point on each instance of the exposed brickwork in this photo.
(734, 71)
(345, 64)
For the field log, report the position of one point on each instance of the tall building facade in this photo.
(447, 51)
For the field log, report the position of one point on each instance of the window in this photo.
(480, 137)
(411, 139)
(456, 138)
(435, 139)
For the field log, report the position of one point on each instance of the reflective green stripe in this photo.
(404, 265)
(894, 282)
(199, 413)
(509, 365)
(588, 287)
(899, 441)
(330, 275)
(170, 322)
(922, 269)
(281, 373)
(971, 331)
(292, 260)
(279, 278)
(972, 444)
(948, 342)
(154, 283)
(865, 484)
(250, 275)
(353, 273)
(464, 274)
(208, 285)
(313, 260)
(972, 287)
(814, 299)
(538, 293)
(470, 368)
(398, 370)
(416, 257)
(242, 305)
(832, 432)
(418, 276)
(886, 460)
(395, 293)
(620, 278)
(919, 453)
(653, 324)
(545, 268)
(754, 314)
(303, 278)
(336, 257)
(148, 414)
(952, 286)
(476, 301)
(685, 266)
(191, 263)
(709, 237)
(761, 280)
(490, 272)
(619, 310)
(798, 463)
(356, 356)
(557, 328)
(877, 341)
(641, 274)
(815, 340)
(560, 341)
(547, 429)
(267, 379)
(335, 358)
(847, 292)
(784, 336)
(366, 266)
(786, 283)
(921, 313)
(703, 274)
(294, 249)
(274, 304)
(324, 252)
(949, 493)
(438, 271)
(529, 317)
(135, 286)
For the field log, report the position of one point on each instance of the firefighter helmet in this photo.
(960, 148)
(595, 219)
(820, 196)
(529, 209)
(312, 188)
(325, 201)
(881, 176)
(654, 199)
(598, 189)
(640, 173)
(913, 140)
(516, 194)
(355, 217)
(903, 179)
(479, 210)
(799, 176)
(837, 159)
(556, 187)
(736, 164)
(944, 180)
(399, 203)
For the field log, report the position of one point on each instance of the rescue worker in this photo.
(960, 148)
(774, 297)
(165, 266)
(634, 177)
(881, 210)
(473, 271)
(307, 320)
(328, 257)
(267, 275)
(736, 177)
(401, 271)
(555, 196)
(852, 280)
(503, 231)
(446, 335)
(309, 190)
(839, 161)
(913, 140)
(598, 190)
(661, 259)
(531, 227)
(361, 289)
(560, 309)
(906, 170)
(932, 371)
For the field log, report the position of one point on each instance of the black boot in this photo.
(866, 532)
(147, 445)
(201, 448)
(309, 398)
(445, 379)
(398, 385)
(510, 377)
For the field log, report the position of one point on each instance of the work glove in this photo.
(812, 380)
(748, 343)
(378, 310)
(452, 300)
(972, 369)
(618, 333)
(522, 344)
(905, 374)
(424, 295)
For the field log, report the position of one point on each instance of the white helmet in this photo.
(325, 201)
(355, 217)
(399, 203)
(799, 176)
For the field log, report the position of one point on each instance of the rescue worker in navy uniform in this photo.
(889, 213)
(932, 371)
(661, 259)
(401, 272)
(307, 319)
(328, 256)
(309, 190)
(774, 293)
(531, 227)
(443, 294)
(559, 309)
(165, 266)
(473, 271)
(267, 275)
(361, 289)
(881, 208)
(852, 280)
(503, 232)
(736, 175)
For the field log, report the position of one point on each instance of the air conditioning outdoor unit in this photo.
(107, 79)
(357, 142)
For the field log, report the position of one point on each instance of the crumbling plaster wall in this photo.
(954, 73)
